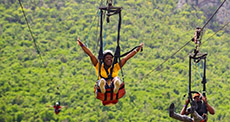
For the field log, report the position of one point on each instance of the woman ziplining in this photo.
(109, 87)
(105, 81)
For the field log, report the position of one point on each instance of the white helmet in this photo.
(106, 52)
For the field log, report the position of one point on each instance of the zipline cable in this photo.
(213, 15)
(167, 59)
(217, 32)
(187, 42)
(93, 20)
(36, 46)
(192, 50)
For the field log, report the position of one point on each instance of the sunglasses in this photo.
(196, 97)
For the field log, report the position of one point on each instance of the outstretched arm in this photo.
(183, 111)
(88, 52)
(130, 55)
(63, 107)
(49, 106)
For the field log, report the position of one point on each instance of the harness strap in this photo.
(109, 74)
(116, 10)
(190, 79)
(100, 56)
(117, 52)
(197, 58)
(105, 96)
(204, 82)
(204, 78)
(130, 51)
(115, 61)
(111, 93)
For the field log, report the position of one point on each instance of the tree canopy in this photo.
(28, 83)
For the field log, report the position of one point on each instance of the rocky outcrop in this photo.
(223, 14)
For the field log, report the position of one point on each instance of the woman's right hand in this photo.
(80, 43)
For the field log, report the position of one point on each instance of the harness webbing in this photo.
(117, 52)
(204, 82)
(116, 10)
(100, 56)
(115, 61)
(111, 11)
(204, 78)
(197, 57)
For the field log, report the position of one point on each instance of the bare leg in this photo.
(178, 116)
(197, 117)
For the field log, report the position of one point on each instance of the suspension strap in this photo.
(204, 82)
(204, 78)
(117, 52)
(110, 11)
(190, 78)
(130, 51)
(100, 56)
(197, 57)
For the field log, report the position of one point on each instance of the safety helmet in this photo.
(106, 52)
(57, 103)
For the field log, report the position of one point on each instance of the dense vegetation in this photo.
(28, 83)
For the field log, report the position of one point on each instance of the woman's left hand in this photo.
(140, 46)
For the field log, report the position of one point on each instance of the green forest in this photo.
(29, 80)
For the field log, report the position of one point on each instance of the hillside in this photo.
(208, 6)
(29, 81)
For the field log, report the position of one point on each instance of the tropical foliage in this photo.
(29, 81)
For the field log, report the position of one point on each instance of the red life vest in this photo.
(57, 109)
(109, 97)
